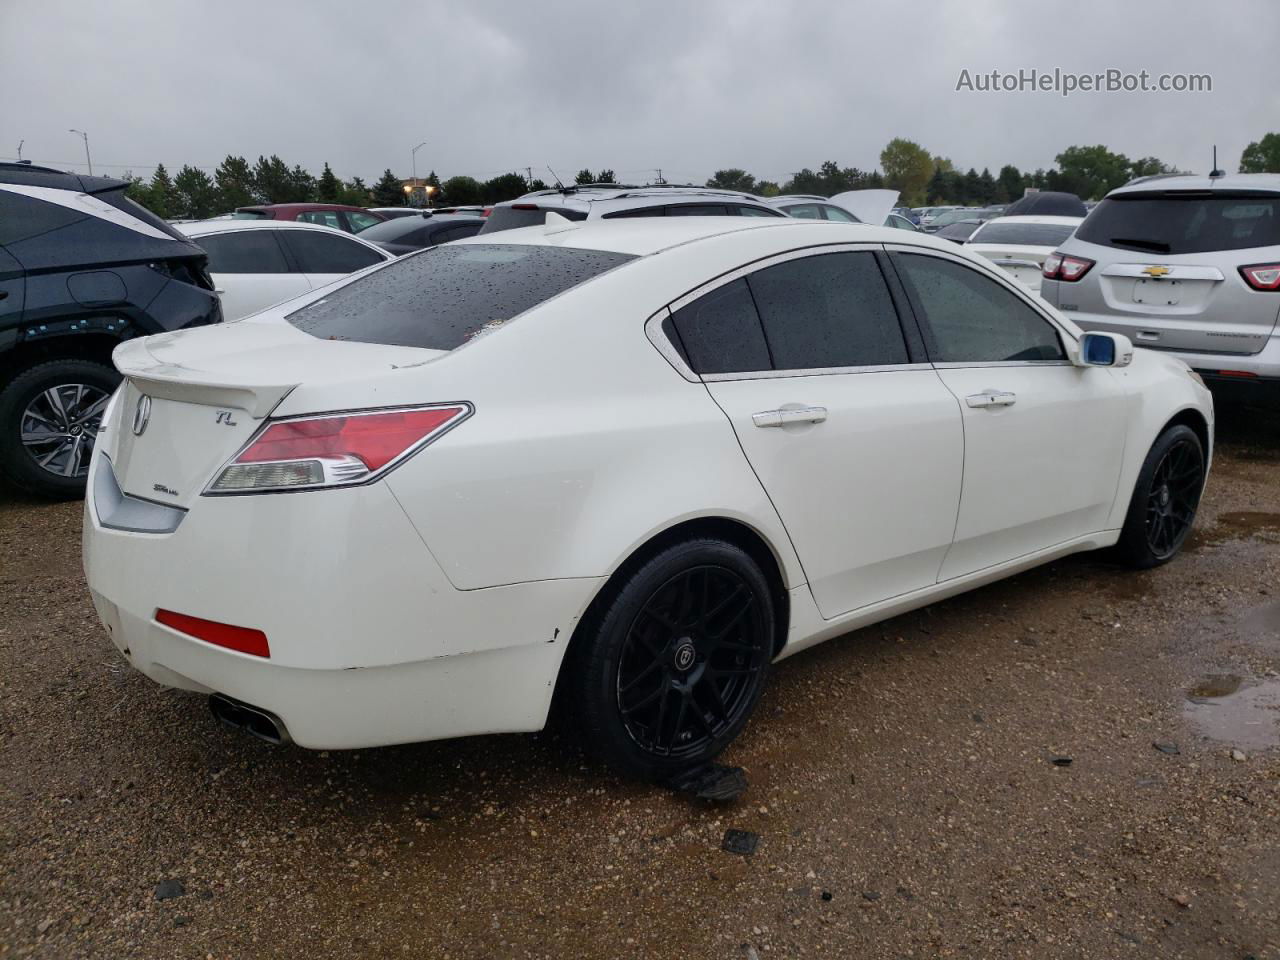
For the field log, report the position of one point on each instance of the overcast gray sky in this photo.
(765, 85)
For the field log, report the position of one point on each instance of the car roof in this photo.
(301, 206)
(200, 228)
(1232, 181)
(642, 236)
(1029, 218)
(625, 198)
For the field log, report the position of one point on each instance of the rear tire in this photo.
(26, 400)
(669, 664)
(1165, 499)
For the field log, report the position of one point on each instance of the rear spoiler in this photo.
(153, 376)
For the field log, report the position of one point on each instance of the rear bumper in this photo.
(1263, 365)
(369, 643)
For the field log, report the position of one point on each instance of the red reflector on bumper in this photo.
(241, 639)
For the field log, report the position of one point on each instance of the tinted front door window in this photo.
(244, 251)
(969, 318)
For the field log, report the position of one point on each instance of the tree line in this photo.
(921, 177)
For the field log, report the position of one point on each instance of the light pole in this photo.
(84, 136)
(413, 157)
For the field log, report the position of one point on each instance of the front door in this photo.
(1043, 438)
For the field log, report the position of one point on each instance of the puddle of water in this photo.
(1236, 711)
(1238, 525)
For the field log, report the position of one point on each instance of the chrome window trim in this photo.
(967, 364)
(816, 372)
(653, 330)
(653, 326)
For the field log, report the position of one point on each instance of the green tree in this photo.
(302, 186)
(537, 184)
(972, 188)
(508, 186)
(733, 179)
(767, 188)
(235, 184)
(137, 190)
(584, 176)
(388, 191)
(1149, 167)
(1091, 172)
(605, 176)
(355, 192)
(328, 187)
(988, 186)
(1008, 184)
(1262, 156)
(271, 180)
(195, 195)
(907, 168)
(462, 192)
(162, 198)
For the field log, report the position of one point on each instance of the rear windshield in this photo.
(1189, 223)
(250, 215)
(396, 229)
(1024, 234)
(525, 215)
(441, 298)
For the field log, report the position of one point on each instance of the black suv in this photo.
(82, 268)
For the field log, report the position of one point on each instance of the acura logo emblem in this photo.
(141, 415)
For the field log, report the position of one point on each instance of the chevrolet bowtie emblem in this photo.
(1155, 271)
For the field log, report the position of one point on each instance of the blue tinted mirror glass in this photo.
(1099, 351)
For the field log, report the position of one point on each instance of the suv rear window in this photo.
(443, 297)
(525, 215)
(1187, 223)
(1023, 234)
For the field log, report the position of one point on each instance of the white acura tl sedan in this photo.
(622, 464)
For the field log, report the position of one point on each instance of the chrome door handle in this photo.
(780, 418)
(991, 398)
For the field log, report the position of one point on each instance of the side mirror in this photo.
(1105, 350)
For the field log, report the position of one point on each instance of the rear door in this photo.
(1166, 272)
(250, 271)
(857, 443)
(325, 257)
(1043, 439)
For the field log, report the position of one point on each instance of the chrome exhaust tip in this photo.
(252, 720)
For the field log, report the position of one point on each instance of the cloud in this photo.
(688, 87)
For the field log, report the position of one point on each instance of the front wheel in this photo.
(1165, 500)
(672, 661)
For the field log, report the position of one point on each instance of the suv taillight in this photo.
(1058, 266)
(333, 450)
(1262, 276)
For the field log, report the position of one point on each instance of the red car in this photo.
(336, 215)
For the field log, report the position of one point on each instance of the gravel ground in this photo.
(902, 783)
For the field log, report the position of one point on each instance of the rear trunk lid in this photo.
(1022, 263)
(194, 398)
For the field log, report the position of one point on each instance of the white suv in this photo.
(607, 201)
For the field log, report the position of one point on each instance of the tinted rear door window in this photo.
(832, 310)
(318, 252)
(245, 251)
(970, 318)
(720, 332)
(442, 298)
(1198, 223)
(697, 210)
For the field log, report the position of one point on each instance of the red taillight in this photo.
(1262, 276)
(241, 639)
(1235, 373)
(333, 450)
(1058, 266)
